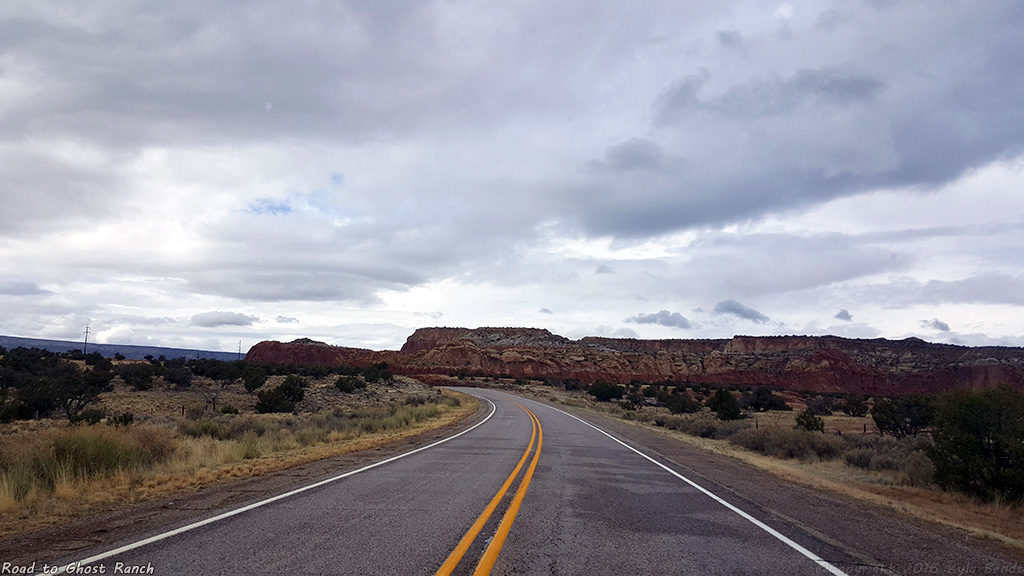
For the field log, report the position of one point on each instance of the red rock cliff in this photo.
(814, 363)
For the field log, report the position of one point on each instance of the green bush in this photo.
(274, 400)
(724, 405)
(137, 375)
(979, 443)
(178, 376)
(682, 404)
(762, 399)
(808, 422)
(349, 384)
(605, 391)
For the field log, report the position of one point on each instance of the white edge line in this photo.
(146, 541)
(811, 555)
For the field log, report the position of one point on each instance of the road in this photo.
(576, 501)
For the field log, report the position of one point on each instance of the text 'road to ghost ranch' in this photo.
(76, 568)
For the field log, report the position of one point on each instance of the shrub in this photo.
(207, 427)
(88, 416)
(123, 419)
(137, 375)
(979, 443)
(229, 409)
(762, 399)
(854, 406)
(702, 425)
(807, 421)
(605, 391)
(724, 404)
(178, 376)
(789, 443)
(274, 400)
(293, 388)
(253, 378)
(378, 372)
(682, 404)
(349, 384)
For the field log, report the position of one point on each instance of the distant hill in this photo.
(108, 350)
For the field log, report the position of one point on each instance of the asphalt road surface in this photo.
(522, 495)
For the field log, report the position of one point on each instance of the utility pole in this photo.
(239, 350)
(85, 348)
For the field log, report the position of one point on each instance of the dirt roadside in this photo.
(883, 540)
(150, 517)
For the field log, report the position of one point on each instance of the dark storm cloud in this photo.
(844, 315)
(661, 318)
(736, 309)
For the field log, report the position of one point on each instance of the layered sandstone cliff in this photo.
(814, 363)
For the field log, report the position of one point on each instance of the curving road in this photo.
(567, 498)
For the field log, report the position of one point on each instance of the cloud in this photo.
(661, 318)
(844, 315)
(214, 319)
(286, 320)
(604, 269)
(736, 309)
(935, 324)
(20, 288)
(545, 311)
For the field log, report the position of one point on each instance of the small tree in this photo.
(979, 443)
(854, 406)
(73, 389)
(903, 416)
(806, 420)
(724, 404)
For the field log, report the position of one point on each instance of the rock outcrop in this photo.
(812, 363)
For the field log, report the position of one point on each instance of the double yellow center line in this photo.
(491, 553)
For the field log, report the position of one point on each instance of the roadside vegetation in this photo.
(80, 434)
(956, 458)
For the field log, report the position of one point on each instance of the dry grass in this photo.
(50, 475)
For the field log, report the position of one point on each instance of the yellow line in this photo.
(494, 548)
(460, 550)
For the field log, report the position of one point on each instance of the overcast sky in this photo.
(208, 173)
